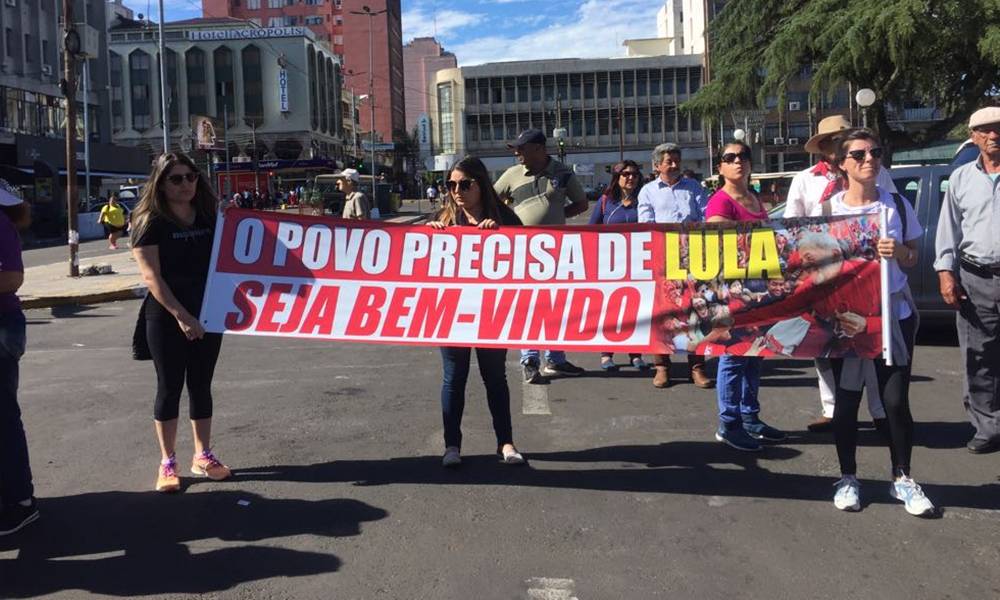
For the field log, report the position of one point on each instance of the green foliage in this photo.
(938, 52)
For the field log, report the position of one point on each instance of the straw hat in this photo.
(826, 129)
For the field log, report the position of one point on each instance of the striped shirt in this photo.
(540, 198)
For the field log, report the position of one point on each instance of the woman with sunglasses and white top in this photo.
(173, 229)
(620, 204)
(471, 201)
(859, 158)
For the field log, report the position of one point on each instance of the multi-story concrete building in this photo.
(609, 108)
(32, 107)
(422, 58)
(275, 92)
(337, 23)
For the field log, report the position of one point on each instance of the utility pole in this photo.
(559, 132)
(367, 11)
(86, 113)
(256, 160)
(71, 47)
(163, 88)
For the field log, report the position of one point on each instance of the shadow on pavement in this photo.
(689, 468)
(938, 435)
(143, 538)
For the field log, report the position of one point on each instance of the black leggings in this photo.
(894, 389)
(177, 359)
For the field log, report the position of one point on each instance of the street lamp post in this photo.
(865, 98)
(368, 12)
(163, 86)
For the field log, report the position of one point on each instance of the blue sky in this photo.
(479, 31)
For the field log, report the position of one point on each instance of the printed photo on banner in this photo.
(804, 288)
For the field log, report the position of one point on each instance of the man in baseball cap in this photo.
(809, 189)
(356, 205)
(542, 191)
(968, 267)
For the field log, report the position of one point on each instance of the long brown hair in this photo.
(153, 203)
(614, 189)
(488, 198)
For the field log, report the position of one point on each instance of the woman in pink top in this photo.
(740, 426)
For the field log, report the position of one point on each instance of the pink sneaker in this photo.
(206, 465)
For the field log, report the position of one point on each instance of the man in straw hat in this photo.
(968, 266)
(809, 189)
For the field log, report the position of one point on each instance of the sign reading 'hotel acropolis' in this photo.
(246, 34)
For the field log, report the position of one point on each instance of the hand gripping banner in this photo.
(802, 287)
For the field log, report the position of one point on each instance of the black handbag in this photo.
(140, 345)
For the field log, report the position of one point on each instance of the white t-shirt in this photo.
(807, 188)
(897, 278)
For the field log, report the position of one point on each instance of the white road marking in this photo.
(535, 399)
(550, 588)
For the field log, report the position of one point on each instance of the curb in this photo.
(96, 298)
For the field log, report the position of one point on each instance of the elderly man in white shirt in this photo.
(810, 188)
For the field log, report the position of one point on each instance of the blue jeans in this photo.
(737, 383)
(493, 369)
(556, 357)
(15, 472)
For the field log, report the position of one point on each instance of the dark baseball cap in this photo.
(528, 136)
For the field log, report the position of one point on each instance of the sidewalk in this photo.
(49, 285)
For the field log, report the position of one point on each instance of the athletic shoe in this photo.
(206, 465)
(567, 369)
(609, 365)
(511, 457)
(848, 495)
(14, 517)
(909, 493)
(640, 364)
(167, 479)
(759, 430)
(452, 457)
(738, 438)
(531, 374)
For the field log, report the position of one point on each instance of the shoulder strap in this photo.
(902, 211)
(827, 208)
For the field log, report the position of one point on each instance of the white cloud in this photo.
(595, 30)
(421, 21)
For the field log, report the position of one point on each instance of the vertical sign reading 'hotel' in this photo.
(283, 89)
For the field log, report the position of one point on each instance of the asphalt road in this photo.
(36, 257)
(339, 492)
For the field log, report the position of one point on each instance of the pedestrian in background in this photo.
(810, 189)
(859, 156)
(672, 198)
(471, 201)
(968, 268)
(172, 237)
(17, 493)
(738, 379)
(542, 191)
(619, 204)
(112, 217)
(356, 204)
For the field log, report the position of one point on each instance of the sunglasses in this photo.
(859, 155)
(462, 184)
(629, 174)
(177, 179)
(730, 157)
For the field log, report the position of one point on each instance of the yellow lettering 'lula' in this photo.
(703, 254)
(674, 271)
(731, 256)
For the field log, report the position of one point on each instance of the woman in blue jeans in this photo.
(17, 502)
(472, 202)
(738, 380)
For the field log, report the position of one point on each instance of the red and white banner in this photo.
(637, 288)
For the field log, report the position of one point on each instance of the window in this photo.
(616, 85)
(275, 3)
(575, 87)
(909, 187)
(446, 118)
(313, 20)
(654, 83)
(253, 4)
(117, 108)
(173, 105)
(313, 100)
(291, 21)
(196, 77)
(142, 118)
(29, 49)
(225, 96)
(274, 22)
(8, 41)
(253, 90)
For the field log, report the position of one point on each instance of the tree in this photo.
(944, 53)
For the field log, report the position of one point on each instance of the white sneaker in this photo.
(452, 457)
(848, 495)
(909, 493)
